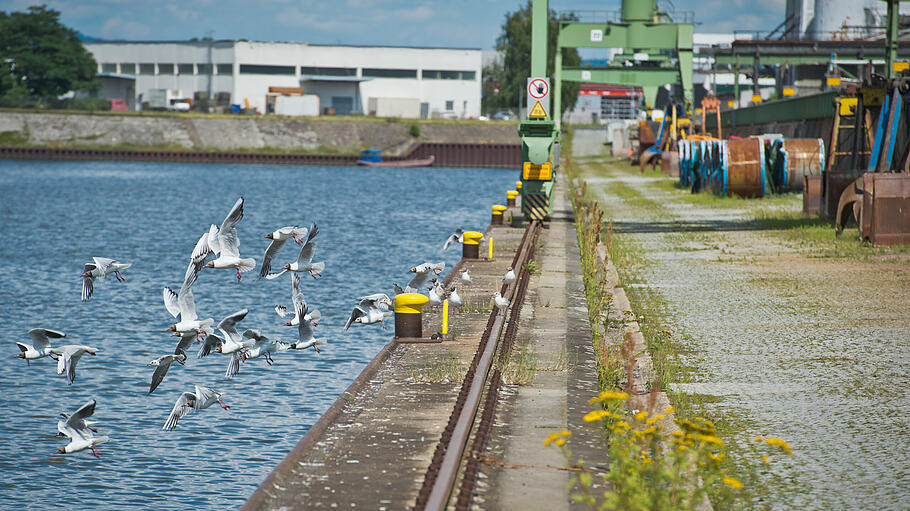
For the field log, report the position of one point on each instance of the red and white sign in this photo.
(538, 88)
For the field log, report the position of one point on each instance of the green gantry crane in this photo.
(655, 51)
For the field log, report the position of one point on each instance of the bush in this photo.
(415, 130)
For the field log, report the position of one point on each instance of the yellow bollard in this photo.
(470, 247)
(498, 210)
(490, 248)
(409, 314)
(445, 316)
(518, 185)
(510, 198)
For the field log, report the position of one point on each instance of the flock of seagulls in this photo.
(218, 248)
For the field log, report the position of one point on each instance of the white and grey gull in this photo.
(101, 267)
(201, 399)
(41, 344)
(228, 244)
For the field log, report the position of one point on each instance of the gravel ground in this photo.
(788, 335)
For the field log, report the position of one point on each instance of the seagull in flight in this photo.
(458, 236)
(263, 346)
(81, 435)
(304, 262)
(162, 364)
(305, 336)
(371, 309)
(69, 355)
(422, 275)
(313, 316)
(41, 344)
(278, 238)
(102, 267)
(203, 398)
(229, 244)
(183, 304)
(233, 343)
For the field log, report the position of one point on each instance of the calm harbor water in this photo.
(54, 216)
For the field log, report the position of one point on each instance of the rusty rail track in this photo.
(441, 476)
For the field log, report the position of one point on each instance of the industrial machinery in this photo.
(539, 134)
(656, 51)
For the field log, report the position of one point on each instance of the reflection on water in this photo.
(54, 216)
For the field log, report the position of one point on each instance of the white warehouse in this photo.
(382, 80)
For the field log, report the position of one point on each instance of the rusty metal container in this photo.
(795, 158)
(812, 195)
(669, 163)
(889, 197)
(834, 184)
(742, 169)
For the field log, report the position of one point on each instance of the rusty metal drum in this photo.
(742, 170)
(794, 159)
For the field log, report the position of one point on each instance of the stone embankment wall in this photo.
(238, 133)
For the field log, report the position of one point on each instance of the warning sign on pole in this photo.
(538, 98)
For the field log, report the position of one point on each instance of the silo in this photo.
(831, 15)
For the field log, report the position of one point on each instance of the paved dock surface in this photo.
(374, 451)
(793, 333)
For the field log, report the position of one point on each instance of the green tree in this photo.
(41, 57)
(505, 81)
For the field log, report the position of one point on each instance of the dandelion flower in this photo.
(561, 442)
(565, 432)
(550, 439)
(733, 482)
(669, 410)
(640, 416)
(595, 415)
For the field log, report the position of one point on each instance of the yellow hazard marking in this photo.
(832, 81)
(538, 112)
(789, 91)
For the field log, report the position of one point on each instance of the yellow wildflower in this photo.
(677, 434)
(758, 439)
(669, 410)
(561, 442)
(764, 458)
(595, 415)
(717, 457)
(681, 448)
(654, 419)
(710, 439)
(565, 432)
(640, 416)
(609, 396)
(553, 436)
(733, 482)
(649, 431)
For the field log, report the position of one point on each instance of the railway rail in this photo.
(481, 385)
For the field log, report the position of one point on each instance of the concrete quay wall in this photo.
(233, 133)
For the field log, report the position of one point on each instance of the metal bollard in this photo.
(470, 247)
(510, 198)
(409, 314)
(498, 210)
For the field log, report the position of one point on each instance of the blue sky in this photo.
(459, 23)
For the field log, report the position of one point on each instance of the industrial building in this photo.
(378, 80)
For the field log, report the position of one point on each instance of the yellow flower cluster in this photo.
(609, 396)
(558, 438)
(777, 442)
(733, 482)
(597, 415)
